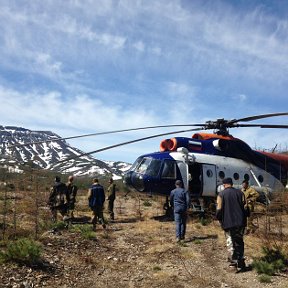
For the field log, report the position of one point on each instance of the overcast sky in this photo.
(77, 67)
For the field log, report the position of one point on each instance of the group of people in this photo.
(234, 206)
(62, 198)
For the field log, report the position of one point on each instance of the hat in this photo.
(227, 181)
(178, 183)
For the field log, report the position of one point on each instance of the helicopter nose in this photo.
(134, 180)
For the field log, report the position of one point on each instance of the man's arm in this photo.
(219, 208)
(172, 199)
(89, 194)
(253, 195)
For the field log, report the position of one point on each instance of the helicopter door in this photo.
(183, 167)
(195, 179)
(209, 180)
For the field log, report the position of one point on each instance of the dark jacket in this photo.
(232, 213)
(72, 192)
(180, 200)
(97, 196)
(58, 195)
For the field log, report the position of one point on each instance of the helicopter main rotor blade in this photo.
(262, 125)
(256, 117)
(106, 132)
(126, 143)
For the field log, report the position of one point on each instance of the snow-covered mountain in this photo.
(48, 154)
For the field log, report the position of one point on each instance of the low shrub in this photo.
(85, 231)
(22, 251)
(274, 260)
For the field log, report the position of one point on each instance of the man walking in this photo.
(72, 192)
(111, 198)
(232, 216)
(58, 199)
(251, 195)
(96, 198)
(180, 201)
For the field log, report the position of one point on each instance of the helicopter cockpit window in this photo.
(143, 165)
(169, 169)
(153, 168)
(136, 163)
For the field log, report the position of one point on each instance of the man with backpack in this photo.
(72, 192)
(58, 199)
(96, 199)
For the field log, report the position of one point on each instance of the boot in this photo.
(241, 266)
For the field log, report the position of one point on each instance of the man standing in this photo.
(111, 198)
(96, 198)
(232, 216)
(58, 199)
(72, 192)
(251, 195)
(180, 201)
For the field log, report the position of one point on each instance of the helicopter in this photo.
(203, 160)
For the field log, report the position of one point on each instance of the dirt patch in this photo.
(138, 250)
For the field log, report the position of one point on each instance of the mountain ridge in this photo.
(47, 154)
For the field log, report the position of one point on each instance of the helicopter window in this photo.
(169, 169)
(221, 174)
(154, 167)
(209, 173)
(143, 165)
(136, 163)
(236, 176)
(260, 178)
(246, 177)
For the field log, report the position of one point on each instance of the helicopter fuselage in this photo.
(202, 164)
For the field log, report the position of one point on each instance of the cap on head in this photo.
(178, 183)
(227, 181)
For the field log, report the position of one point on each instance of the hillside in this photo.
(44, 153)
(138, 250)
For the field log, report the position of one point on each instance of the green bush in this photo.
(147, 203)
(85, 231)
(263, 267)
(273, 260)
(23, 251)
(263, 278)
(60, 225)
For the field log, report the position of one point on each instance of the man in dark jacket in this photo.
(180, 201)
(58, 199)
(232, 216)
(72, 192)
(96, 198)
